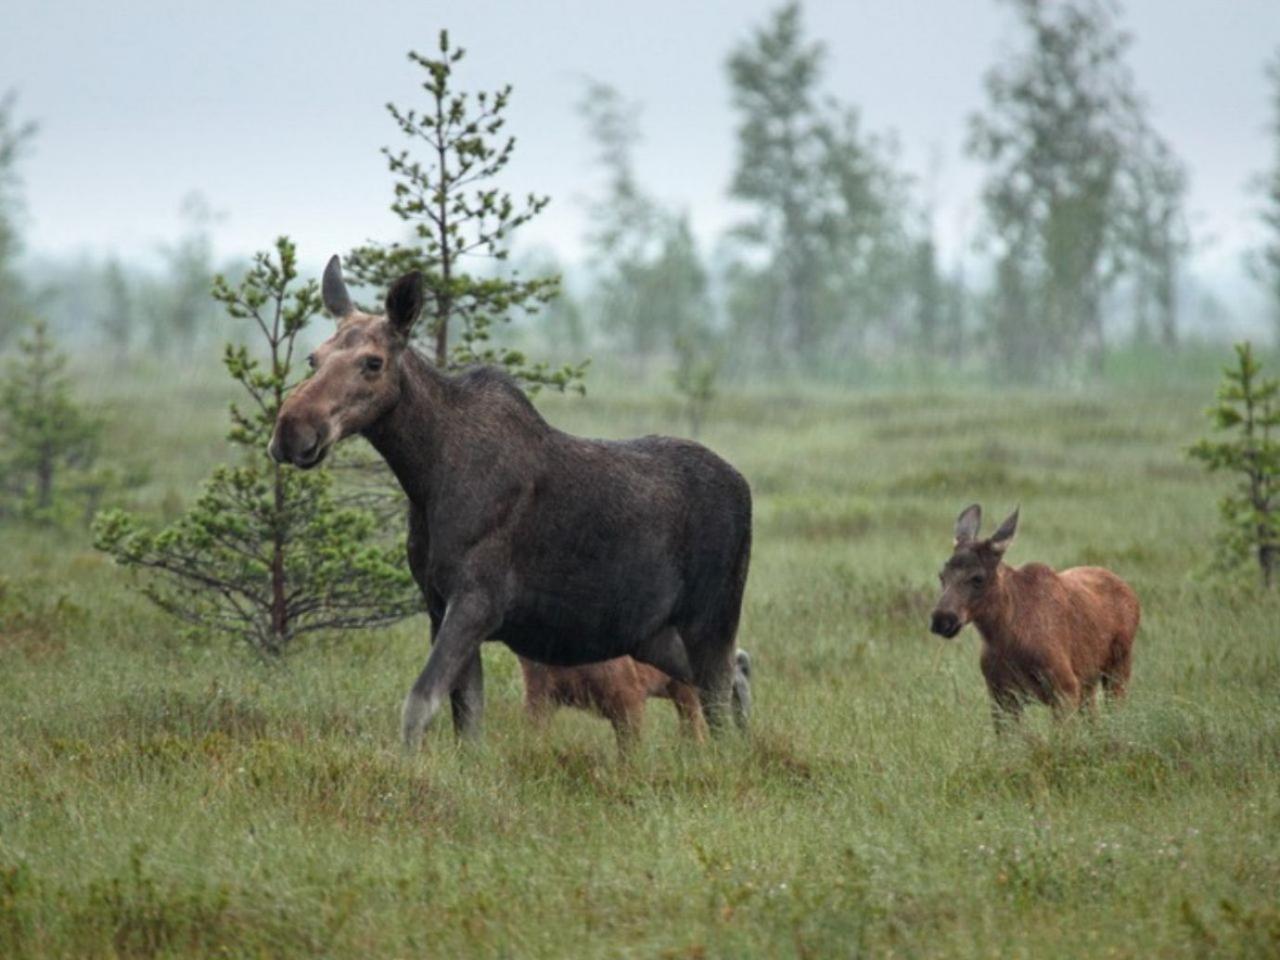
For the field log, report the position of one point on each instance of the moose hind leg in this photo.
(1115, 680)
(666, 651)
(741, 689)
(713, 676)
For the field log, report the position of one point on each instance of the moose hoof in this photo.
(418, 711)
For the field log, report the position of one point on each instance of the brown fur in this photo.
(616, 689)
(1049, 636)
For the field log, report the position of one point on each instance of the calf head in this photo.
(356, 373)
(969, 577)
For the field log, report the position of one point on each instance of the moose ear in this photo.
(1001, 539)
(404, 302)
(967, 524)
(333, 289)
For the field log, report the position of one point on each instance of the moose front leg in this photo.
(467, 699)
(468, 621)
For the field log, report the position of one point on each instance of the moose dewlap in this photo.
(1046, 635)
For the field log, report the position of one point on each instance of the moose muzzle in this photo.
(298, 443)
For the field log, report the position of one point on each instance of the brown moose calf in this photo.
(1054, 637)
(617, 690)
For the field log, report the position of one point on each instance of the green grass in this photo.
(163, 798)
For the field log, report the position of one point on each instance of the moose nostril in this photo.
(941, 622)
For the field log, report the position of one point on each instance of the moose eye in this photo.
(311, 361)
(372, 364)
(977, 580)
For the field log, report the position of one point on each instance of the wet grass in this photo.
(166, 798)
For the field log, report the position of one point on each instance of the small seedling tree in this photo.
(266, 554)
(448, 197)
(1249, 408)
(695, 375)
(48, 445)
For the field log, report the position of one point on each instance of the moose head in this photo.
(356, 376)
(969, 577)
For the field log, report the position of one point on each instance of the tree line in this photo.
(1083, 228)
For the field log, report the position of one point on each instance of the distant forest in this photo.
(1082, 244)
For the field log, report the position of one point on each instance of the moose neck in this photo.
(409, 435)
(995, 618)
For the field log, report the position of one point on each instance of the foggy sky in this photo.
(274, 110)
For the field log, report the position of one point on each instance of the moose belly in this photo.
(560, 631)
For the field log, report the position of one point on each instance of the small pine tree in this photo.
(265, 554)
(456, 213)
(1265, 262)
(47, 444)
(697, 369)
(1248, 405)
(14, 139)
(115, 317)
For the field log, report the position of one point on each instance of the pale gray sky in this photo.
(274, 110)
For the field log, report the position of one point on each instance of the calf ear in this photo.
(967, 524)
(404, 302)
(1001, 539)
(333, 289)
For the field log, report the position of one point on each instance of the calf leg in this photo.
(1006, 710)
(627, 716)
(538, 701)
(1115, 681)
(1065, 700)
(468, 620)
(689, 709)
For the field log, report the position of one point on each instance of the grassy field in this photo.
(160, 798)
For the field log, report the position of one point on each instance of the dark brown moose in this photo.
(1054, 637)
(617, 690)
(568, 550)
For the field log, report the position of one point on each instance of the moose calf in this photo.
(618, 688)
(1048, 635)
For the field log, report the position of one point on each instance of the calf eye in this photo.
(372, 364)
(311, 361)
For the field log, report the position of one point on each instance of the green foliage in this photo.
(181, 311)
(826, 251)
(265, 554)
(1157, 238)
(116, 312)
(1265, 264)
(14, 139)
(48, 446)
(456, 213)
(1249, 408)
(1078, 184)
(697, 369)
(651, 287)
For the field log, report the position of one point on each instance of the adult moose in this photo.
(1054, 637)
(568, 550)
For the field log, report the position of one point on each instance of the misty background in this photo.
(176, 139)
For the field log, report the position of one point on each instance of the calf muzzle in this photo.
(945, 624)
